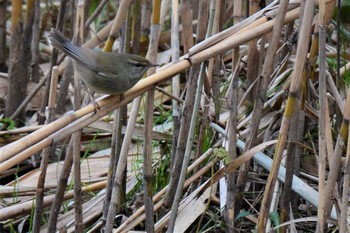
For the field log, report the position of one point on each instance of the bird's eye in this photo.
(138, 64)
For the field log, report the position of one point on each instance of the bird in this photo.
(103, 72)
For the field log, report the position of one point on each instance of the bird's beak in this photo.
(152, 65)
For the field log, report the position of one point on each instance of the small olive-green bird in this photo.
(103, 72)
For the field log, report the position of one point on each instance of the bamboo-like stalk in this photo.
(180, 144)
(253, 55)
(203, 18)
(344, 226)
(45, 156)
(186, 18)
(17, 81)
(322, 115)
(302, 50)
(115, 204)
(117, 23)
(188, 150)
(3, 19)
(76, 137)
(183, 150)
(147, 162)
(35, 76)
(53, 59)
(147, 149)
(61, 186)
(231, 127)
(136, 27)
(25, 207)
(232, 151)
(334, 167)
(175, 83)
(114, 158)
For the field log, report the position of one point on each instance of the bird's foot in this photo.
(122, 97)
(96, 106)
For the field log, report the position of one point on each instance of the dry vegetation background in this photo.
(242, 128)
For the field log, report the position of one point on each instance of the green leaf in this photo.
(242, 215)
(9, 122)
(275, 219)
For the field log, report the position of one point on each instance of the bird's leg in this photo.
(93, 102)
(122, 97)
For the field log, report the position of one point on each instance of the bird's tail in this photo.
(58, 40)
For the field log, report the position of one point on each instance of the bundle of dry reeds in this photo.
(249, 106)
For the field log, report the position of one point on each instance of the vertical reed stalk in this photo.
(39, 197)
(76, 137)
(302, 51)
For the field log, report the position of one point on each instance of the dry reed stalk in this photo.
(230, 31)
(3, 18)
(148, 121)
(115, 202)
(136, 27)
(185, 118)
(235, 164)
(26, 207)
(175, 82)
(231, 127)
(60, 128)
(76, 137)
(335, 92)
(302, 51)
(322, 114)
(15, 90)
(184, 144)
(252, 31)
(130, 29)
(263, 82)
(61, 187)
(344, 226)
(253, 56)
(53, 59)
(203, 18)
(138, 216)
(186, 19)
(117, 188)
(39, 197)
(147, 162)
(117, 23)
(114, 158)
(334, 162)
(232, 151)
